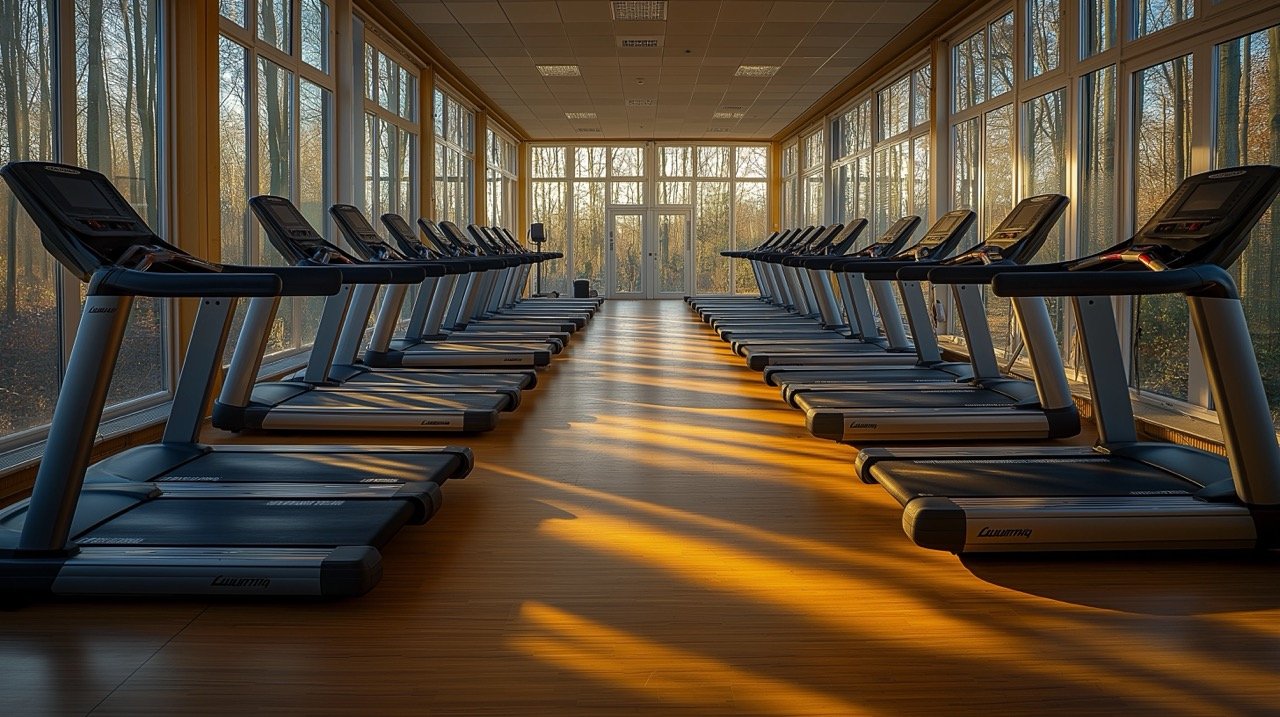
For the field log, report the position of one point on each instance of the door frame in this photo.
(648, 252)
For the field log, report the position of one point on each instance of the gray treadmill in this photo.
(1123, 493)
(938, 243)
(832, 325)
(426, 345)
(988, 406)
(179, 517)
(345, 369)
(314, 406)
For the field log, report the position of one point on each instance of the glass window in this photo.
(1098, 219)
(29, 306)
(892, 185)
(454, 184)
(921, 94)
(969, 77)
(813, 155)
(1162, 158)
(711, 236)
(117, 78)
(1153, 15)
(1001, 74)
(627, 162)
(1248, 115)
(1044, 28)
(751, 163)
(964, 154)
(314, 23)
(1044, 171)
(275, 24)
(895, 108)
(675, 162)
(233, 137)
(547, 162)
(750, 221)
(1099, 26)
(233, 10)
(500, 180)
(549, 204)
(714, 161)
(997, 200)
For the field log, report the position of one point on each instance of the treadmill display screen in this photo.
(289, 217)
(1025, 215)
(949, 221)
(82, 193)
(399, 225)
(1208, 198)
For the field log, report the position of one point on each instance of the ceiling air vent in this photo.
(589, 130)
(757, 71)
(639, 10)
(733, 108)
(580, 115)
(718, 129)
(639, 42)
(728, 115)
(559, 71)
(642, 103)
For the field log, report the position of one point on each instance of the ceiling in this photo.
(682, 83)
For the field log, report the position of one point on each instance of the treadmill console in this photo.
(943, 235)
(893, 238)
(443, 244)
(360, 234)
(292, 235)
(84, 221)
(846, 239)
(404, 236)
(1029, 216)
(455, 235)
(1208, 217)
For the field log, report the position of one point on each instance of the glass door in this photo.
(669, 254)
(626, 259)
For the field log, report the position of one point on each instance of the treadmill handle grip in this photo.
(1207, 280)
(299, 280)
(871, 268)
(118, 281)
(983, 273)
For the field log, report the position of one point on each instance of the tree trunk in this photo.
(96, 131)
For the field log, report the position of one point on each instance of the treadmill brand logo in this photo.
(988, 532)
(869, 426)
(512, 360)
(436, 423)
(223, 581)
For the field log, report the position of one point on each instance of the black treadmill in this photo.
(937, 244)
(989, 406)
(1123, 493)
(302, 405)
(178, 517)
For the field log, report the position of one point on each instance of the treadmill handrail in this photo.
(973, 274)
(118, 281)
(1208, 280)
(306, 280)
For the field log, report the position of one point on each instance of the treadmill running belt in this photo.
(397, 401)
(177, 522)
(1097, 474)
(905, 374)
(960, 397)
(316, 467)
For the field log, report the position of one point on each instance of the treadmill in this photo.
(989, 406)
(426, 345)
(485, 290)
(860, 327)
(179, 517)
(800, 296)
(936, 245)
(1123, 493)
(302, 405)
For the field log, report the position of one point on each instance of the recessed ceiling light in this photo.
(639, 42)
(757, 70)
(733, 108)
(728, 115)
(580, 115)
(718, 129)
(642, 103)
(559, 71)
(639, 9)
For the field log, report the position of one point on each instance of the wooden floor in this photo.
(654, 532)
